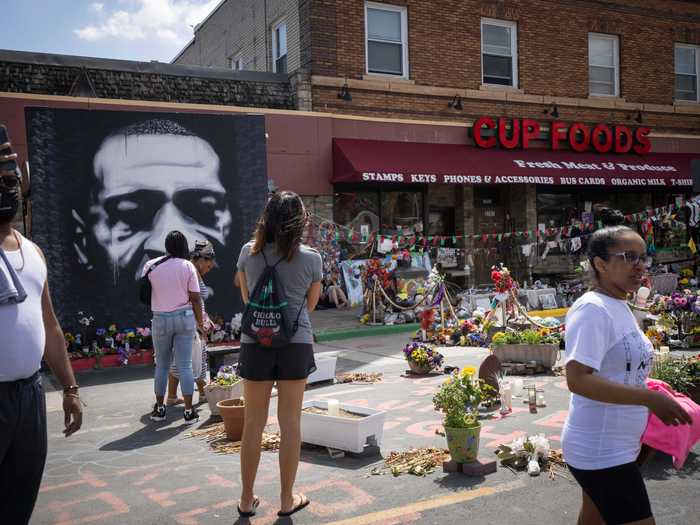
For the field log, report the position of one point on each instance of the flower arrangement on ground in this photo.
(108, 341)
(458, 398)
(528, 337)
(681, 374)
(423, 356)
(226, 376)
(525, 452)
(226, 385)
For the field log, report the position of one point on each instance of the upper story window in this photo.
(687, 65)
(386, 30)
(499, 52)
(279, 48)
(603, 65)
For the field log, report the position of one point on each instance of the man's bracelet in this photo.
(71, 388)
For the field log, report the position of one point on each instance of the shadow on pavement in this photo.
(106, 376)
(455, 481)
(661, 467)
(319, 456)
(151, 434)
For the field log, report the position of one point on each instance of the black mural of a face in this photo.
(127, 179)
(149, 185)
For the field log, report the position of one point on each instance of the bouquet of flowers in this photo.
(226, 376)
(525, 452)
(500, 275)
(529, 337)
(459, 397)
(423, 356)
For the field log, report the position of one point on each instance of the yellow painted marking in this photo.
(557, 312)
(420, 506)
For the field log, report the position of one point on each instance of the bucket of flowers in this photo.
(226, 385)
(458, 398)
(422, 358)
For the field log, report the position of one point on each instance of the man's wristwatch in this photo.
(72, 389)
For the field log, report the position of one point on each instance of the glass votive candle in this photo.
(517, 388)
(540, 398)
(333, 407)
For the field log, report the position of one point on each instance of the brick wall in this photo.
(120, 79)
(242, 28)
(444, 52)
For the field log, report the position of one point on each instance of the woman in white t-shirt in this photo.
(608, 359)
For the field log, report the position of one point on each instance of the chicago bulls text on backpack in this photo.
(266, 317)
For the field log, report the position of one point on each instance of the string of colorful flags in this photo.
(333, 231)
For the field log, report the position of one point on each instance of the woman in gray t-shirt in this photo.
(299, 268)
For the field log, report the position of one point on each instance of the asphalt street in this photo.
(124, 469)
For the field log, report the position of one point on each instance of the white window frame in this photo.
(275, 58)
(697, 72)
(616, 63)
(404, 38)
(513, 26)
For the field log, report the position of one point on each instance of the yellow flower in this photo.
(467, 371)
(447, 381)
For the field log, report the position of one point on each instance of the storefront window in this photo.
(441, 220)
(556, 208)
(401, 212)
(358, 211)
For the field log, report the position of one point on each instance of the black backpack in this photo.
(145, 288)
(266, 316)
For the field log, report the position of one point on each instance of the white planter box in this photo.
(325, 368)
(218, 393)
(339, 432)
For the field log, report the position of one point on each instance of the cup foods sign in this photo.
(600, 138)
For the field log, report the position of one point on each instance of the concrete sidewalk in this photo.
(335, 324)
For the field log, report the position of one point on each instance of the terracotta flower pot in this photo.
(233, 413)
(463, 443)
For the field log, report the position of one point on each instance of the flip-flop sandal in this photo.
(250, 513)
(304, 502)
(173, 401)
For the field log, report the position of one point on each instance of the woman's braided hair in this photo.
(282, 222)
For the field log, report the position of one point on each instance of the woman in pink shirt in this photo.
(177, 313)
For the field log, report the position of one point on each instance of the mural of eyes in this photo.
(202, 206)
(136, 209)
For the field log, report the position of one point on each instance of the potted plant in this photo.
(422, 358)
(233, 413)
(226, 385)
(682, 375)
(458, 398)
(541, 346)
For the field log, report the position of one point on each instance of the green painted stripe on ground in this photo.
(364, 331)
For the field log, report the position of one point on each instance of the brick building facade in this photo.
(445, 55)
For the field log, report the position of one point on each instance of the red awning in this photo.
(356, 160)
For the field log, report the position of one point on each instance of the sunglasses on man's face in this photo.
(634, 258)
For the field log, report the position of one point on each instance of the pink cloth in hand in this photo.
(674, 440)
